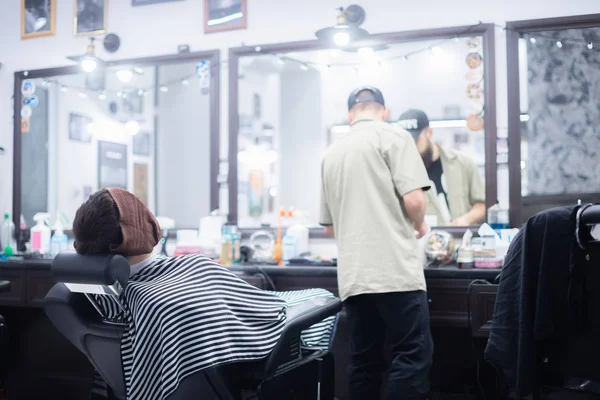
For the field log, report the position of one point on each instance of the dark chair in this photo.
(4, 287)
(288, 369)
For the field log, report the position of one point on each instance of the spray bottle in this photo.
(41, 234)
(59, 241)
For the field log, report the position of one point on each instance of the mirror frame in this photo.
(213, 56)
(522, 208)
(486, 31)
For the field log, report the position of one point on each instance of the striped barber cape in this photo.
(185, 314)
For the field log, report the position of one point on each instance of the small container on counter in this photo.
(465, 258)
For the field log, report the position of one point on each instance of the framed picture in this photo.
(112, 165)
(90, 17)
(133, 104)
(136, 3)
(140, 181)
(38, 18)
(80, 128)
(225, 15)
(141, 144)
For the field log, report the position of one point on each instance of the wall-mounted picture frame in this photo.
(38, 18)
(142, 144)
(136, 3)
(133, 103)
(90, 17)
(225, 15)
(80, 128)
(112, 165)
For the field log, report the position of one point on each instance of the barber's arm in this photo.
(325, 216)
(410, 179)
(476, 214)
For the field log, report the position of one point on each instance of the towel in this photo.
(140, 229)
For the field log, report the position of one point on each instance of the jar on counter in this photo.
(465, 258)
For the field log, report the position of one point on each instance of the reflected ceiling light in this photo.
(366, 51)
(436, 50)
(119, 94)
(102, 96)
(90, 128)
(63, 89)
(532, 40)
(164, 89)
(273, 191)
(82, 94)
(185, 82)
(405, 58)
(228, 18)
(138, 70)
(304, 67)
(39, 23)
(125, 75)
(559, 44)
(590, 45)
(347, 29)
(88, 61)
(132, 128)
(256, 156)
(141, 92)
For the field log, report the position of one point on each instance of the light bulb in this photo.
(559, 44)
(125, 75)
(89, 64)
(532, 40)
(590, 45)
(164, 89)
(132, 128)
(341, 38)
(102, 96)
(185, 82)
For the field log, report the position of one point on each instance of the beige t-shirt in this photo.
(365, 173)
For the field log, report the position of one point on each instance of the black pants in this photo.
(404, 316)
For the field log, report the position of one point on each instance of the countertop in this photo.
(443, 272)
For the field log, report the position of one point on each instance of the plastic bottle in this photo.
(300, 231)
(236, 241)
(290, 244)
(59, 241)
(497, 218)
(226, 247)
(41, 234)
(9, 246)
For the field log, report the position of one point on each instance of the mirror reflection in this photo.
(293, 106)
(559, 88)
(144, 128)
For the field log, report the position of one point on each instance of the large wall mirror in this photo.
(149, 126)
(554, 113)
(288, 103)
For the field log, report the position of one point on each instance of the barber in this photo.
(372, 201)
(459, 195)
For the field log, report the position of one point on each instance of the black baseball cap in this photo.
(377, 97)
(413, 121)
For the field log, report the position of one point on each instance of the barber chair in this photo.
(288, 372)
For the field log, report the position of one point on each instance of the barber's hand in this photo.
(421, 229)
(460, 221)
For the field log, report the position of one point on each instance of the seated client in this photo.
(181, 314)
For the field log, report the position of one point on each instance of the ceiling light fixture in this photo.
(164, 89)
(532, 40)
(347, 29)
(559, 44)
(304, 67)
(590, 45)
(132, 128)
(125, 75)
(88, 61)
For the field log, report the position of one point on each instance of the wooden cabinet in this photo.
(448, 302)
(16, 296)
(481, 300)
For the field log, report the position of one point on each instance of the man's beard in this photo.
(427, 155)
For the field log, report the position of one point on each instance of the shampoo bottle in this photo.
(41, 234)
(59, 241)
(7, 238)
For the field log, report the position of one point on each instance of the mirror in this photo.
(147, 128)
(293, 105)
(556, 134)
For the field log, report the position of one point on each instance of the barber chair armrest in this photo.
(75, 318)
(105, 269)
(299, 318)
(4, 286)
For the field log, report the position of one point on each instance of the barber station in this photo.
(234, 200)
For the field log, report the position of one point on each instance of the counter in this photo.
(41, 359)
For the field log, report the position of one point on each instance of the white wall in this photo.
(158, 29)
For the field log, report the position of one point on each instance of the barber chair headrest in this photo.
(101, 274)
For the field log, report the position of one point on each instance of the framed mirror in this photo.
(554, 112)
(288, 103)
(149, 125)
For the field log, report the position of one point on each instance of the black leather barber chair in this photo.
(289, 372)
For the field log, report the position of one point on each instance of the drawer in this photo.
(482, 300)
(448, 302)
(17, 294)
(38, 285)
